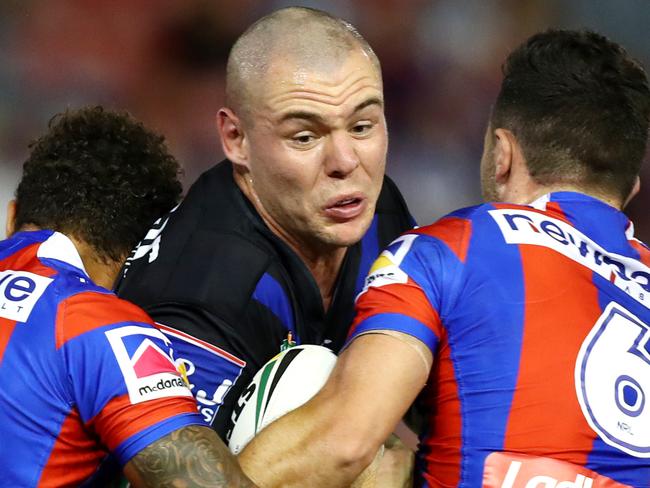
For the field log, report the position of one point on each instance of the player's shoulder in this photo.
(102, 305)
(464, 220)
(453, 229)
(206, 250)
(91, 307)
(456, 230)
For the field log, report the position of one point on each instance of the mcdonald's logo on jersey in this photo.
(149, 371)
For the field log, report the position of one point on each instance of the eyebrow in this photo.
(313, 117)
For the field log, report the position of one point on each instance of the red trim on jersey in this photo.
(6, 329)
(27, 260)
(444, 448)
(74, 457)
(120, 419)
(561, 308)
(399, 298)
(211, 347)
(643, 251)
(23, 260)
(555, 210)
(453, 231)
(90, 310)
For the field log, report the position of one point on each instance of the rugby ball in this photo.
(284, 383)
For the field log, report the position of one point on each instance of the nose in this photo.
(342, 158)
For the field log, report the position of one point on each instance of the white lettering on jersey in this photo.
(149, 372)
(209, 371)
(511, 480)
(527, 227)
(150, 244)
(19, 292)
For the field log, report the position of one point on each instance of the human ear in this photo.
(635, 190)
(503, 155)
(233, 139)
(10, 224)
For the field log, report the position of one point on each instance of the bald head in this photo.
(307, 39)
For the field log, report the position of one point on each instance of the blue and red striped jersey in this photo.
(539, 321)
(84, 373)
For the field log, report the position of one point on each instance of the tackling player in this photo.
(523, 326)
(85, 373)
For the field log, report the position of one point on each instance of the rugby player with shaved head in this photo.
(271, 246)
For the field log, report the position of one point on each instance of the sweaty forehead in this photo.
(335, 83)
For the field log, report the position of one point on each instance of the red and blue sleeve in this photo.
(415, 282)
(122, 376)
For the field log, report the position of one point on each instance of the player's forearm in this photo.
(334, 436)
(327, 442)
(305, 448)
(192, 456)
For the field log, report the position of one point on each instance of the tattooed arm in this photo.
(192, 456)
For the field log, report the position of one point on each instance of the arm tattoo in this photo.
(192, 456)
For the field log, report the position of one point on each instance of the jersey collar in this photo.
(60, 248)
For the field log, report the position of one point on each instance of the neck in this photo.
(102, 272)
(325, 268)
(323, 262)
(540, 191)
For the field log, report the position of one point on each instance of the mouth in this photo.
(346, 207)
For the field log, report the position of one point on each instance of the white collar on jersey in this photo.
(540, 203)
(58, 246)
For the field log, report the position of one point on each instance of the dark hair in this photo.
(99, 176)
(579, 106)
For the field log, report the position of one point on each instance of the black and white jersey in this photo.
(228, 292)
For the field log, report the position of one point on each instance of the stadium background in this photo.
(163, 60)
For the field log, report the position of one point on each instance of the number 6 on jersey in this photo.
(612, 378)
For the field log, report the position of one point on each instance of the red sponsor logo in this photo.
(507, 470)
(148, 370)
(149, 360)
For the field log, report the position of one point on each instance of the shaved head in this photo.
(304, 38)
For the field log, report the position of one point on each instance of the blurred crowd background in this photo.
(164, 61)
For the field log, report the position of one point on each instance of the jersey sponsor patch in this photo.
(528, 227)
(149, 371)
(19, 292)
(384, 272)
(209, 370)
(509, 470)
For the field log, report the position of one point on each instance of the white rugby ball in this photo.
(284, 383)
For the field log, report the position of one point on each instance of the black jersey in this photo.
(228, 292)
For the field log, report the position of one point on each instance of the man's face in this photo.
(317, 147)
(488, 177)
